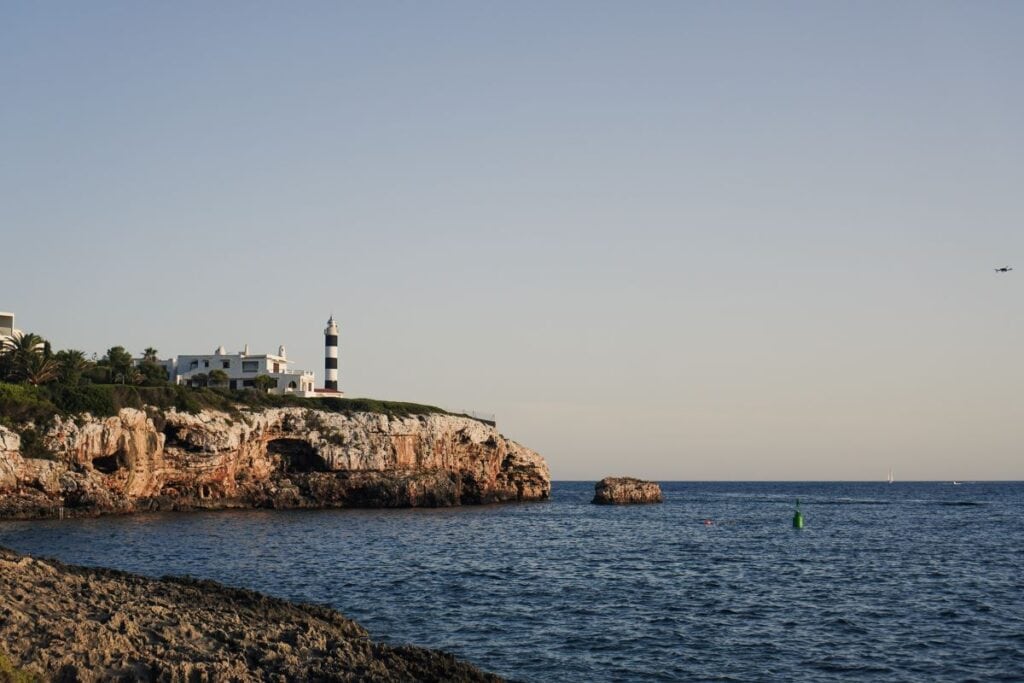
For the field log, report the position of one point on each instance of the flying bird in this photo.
(1004, 269)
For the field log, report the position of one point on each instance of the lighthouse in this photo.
(331, 355)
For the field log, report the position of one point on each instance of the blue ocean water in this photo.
(909, 581)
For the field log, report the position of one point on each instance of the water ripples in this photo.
(901, 582)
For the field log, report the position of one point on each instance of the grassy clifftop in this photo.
(20, 403)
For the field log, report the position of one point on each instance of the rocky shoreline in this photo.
(68, 623)
(149, 460)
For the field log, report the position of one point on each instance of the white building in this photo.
(241, 369)
(7, 328)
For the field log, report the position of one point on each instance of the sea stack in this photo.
(625, 491)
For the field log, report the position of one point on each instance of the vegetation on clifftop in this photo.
(20, 403)
(37, 384)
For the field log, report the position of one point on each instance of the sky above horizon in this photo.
(672, 240)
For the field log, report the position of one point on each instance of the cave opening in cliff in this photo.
(108, 464)
(297, 455)
(173, 439)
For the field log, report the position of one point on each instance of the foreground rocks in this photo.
(625, 490)
(77, 624)
(277, 458)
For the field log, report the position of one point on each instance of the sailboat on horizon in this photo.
(890, 479)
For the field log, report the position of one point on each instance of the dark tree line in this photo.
(27, 358)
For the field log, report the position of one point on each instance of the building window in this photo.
(193, 365)
(226, 364)
(250, 366)
(206, 363)
(277, 367)
(234, 384)
(248, 383)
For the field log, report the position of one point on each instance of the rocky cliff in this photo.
(275, 457)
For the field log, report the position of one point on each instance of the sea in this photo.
(885, 582)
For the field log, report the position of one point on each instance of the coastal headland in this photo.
(169, 455)
(61, 622)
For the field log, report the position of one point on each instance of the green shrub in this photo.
(20, 403)
(90, 398)
(32, 445)
(102, 400)
(371, 405)
(153, 375)
(11, 674)
(23, 403)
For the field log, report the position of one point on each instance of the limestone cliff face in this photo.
(277, 457)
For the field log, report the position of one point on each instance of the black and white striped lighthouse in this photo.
(331, 355)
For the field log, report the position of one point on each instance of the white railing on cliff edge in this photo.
(487, 418)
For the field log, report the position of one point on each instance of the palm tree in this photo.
(71, 364)
(149, 354)
(23, 342)
(39, 369)
(19, 353)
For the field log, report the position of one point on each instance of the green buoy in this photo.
(798, 517)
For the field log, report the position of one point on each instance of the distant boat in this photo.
(956, 483)
(890, 480)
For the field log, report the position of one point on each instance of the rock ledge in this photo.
(78, 624)
(625, 491)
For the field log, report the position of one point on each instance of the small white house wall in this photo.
(264, 365)
(304, 381)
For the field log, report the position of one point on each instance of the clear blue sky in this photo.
(674, 240)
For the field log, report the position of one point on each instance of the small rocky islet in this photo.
(626, 491)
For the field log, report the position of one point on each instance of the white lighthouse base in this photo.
(326, 393)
